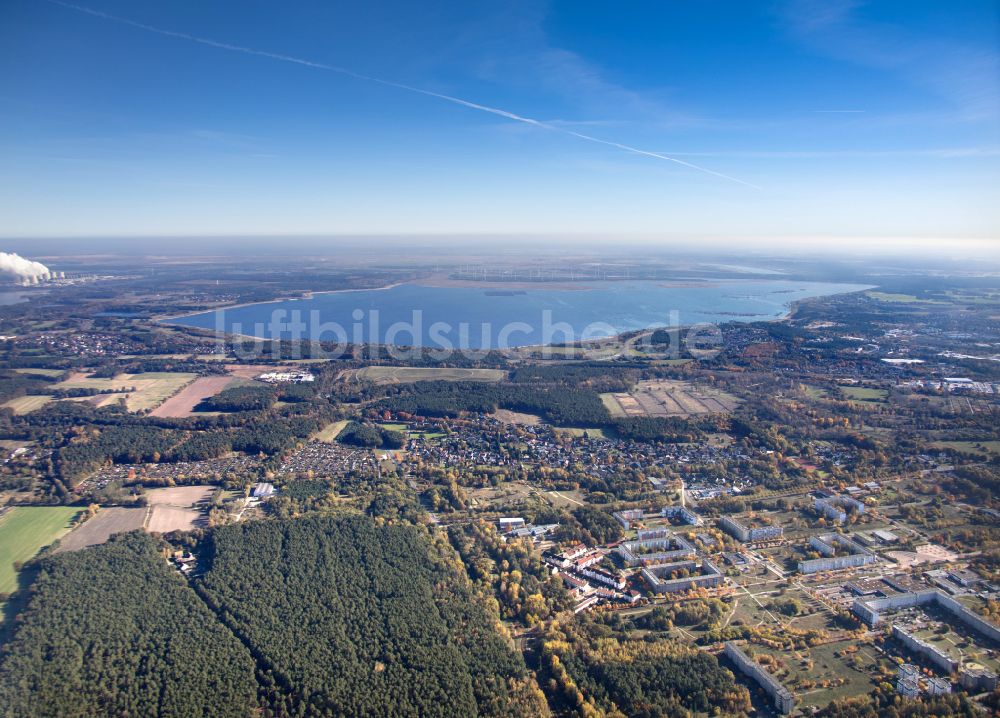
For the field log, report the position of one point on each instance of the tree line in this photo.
(113, 631)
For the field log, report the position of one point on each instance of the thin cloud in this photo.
(940, 153)
(397, 85)
(965, 75)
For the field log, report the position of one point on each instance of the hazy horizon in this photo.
(527, 246)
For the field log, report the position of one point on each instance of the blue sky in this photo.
(837, 118)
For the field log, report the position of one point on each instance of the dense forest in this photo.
(348, 618)
(113, 631)
(372, 436)
(137, 440)
(561, 405)
(241, 398)
(598, 670)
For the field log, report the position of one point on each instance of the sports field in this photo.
(24, 530)
(150, 389)
(408, 374)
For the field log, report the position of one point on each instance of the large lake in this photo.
(488, 317)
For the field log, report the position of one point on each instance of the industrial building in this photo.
(749, 534)
(509, 523)
(784, 700)
(654, 546)
(827, 545)
(287, 377)
(263, 491)
(710, 576)
(535, 533)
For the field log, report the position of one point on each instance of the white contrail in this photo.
(390, 83)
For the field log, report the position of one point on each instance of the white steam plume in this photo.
(397, 85)
(21, 267)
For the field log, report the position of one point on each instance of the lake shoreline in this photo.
(585, 314)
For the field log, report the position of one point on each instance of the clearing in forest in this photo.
(408, 374)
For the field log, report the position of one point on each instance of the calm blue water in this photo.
(477, 318)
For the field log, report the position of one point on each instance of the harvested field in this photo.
(99, 400)
(516, 417)
(185, 496)
(164, 519)
(142, 391)
(100, 528)
(26, 404)
(407, 374)
(183, 403)
(177, 508)
(669, 398)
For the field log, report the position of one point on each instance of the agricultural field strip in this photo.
(27, 404)
(24, 530)
(668, 398)
(151, 389)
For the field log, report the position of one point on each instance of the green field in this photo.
(26, 404)
(408, 374)
(26, 529)
(150, 388)
(613, 407)
(330, 432)
(901, 298)
(861, 393)
(41, 372)
(592, 433)
(982, 448)
(816, 392)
